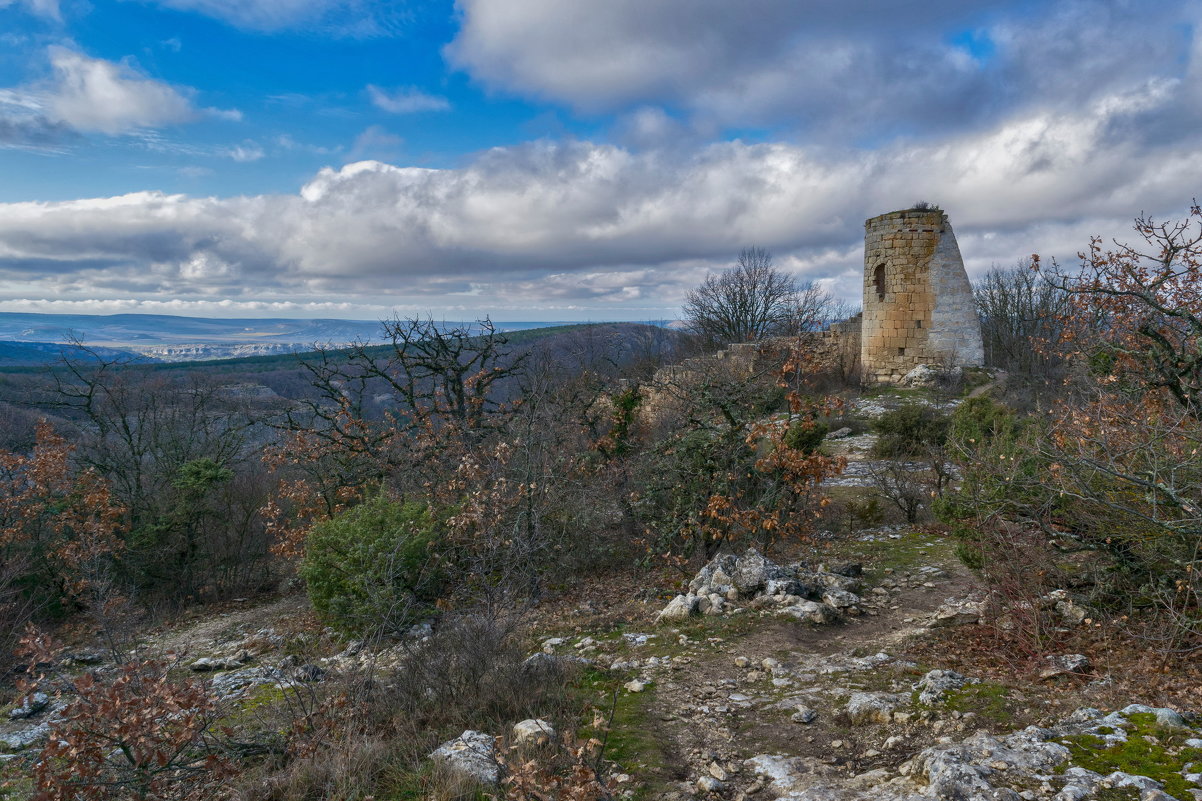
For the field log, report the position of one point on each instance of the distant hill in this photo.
(21, 354)
(163, 337)
(165, 329)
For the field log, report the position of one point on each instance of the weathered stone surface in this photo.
(847, 569)
(825, 578)
(1065, 664)
(1025, 765)
(721, 586)
(309, 673)
(722, 566)
(533, 731)
(30, 706)
(1164, 716)
(927, 375)
(1069, 612)
(211, 663)
(872, 707)
(751, 571)
(963, 770)
(234, 683)
(23, 738)
(956, 613)
(840, 599)
(918, 302)
(811, 611)
(935, 685)
(679, 608)
(472, 756)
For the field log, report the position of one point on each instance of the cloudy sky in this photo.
(543, 159)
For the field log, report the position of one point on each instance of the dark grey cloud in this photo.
(859, 70)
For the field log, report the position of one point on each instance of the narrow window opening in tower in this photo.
(901, 351)
(918, 323)
(878, 280)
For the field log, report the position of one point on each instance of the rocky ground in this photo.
(759, 704)
(818, 680)
(754, 700)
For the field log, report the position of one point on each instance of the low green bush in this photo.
(909, 430)
(806, 435)
(980, 421)
(371, 567)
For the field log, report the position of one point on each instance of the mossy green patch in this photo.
(252, 706)
(1157, 752)
(700, 628)
(988, 700)
(630, 740)
(15, 784)
(915, 548)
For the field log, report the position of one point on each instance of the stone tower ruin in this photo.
(918, 303)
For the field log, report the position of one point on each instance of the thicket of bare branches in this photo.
(1110, 468)
(1022, 319)
(753, 300)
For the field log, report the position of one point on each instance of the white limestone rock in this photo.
(935, 685)
(472, 756)
(679, 608)
(872, 707)
(533, 731)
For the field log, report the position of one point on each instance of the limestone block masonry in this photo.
(918, 303)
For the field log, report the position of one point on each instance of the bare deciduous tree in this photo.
(1022, 315)
(1142, 304)
(748, 302)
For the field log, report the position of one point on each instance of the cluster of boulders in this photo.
(731, 583)
(1034, 763)
(235, 672)
(472, 757)
(1059, 605)
(237, 657)
(34, 714)
(885, 708)
(1064, 607)
(936, 684)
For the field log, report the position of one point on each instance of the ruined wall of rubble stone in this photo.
(918, 302)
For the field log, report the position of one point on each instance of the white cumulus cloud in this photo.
(604, 230)
(91, 94)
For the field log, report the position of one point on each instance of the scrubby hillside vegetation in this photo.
(621, 562)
